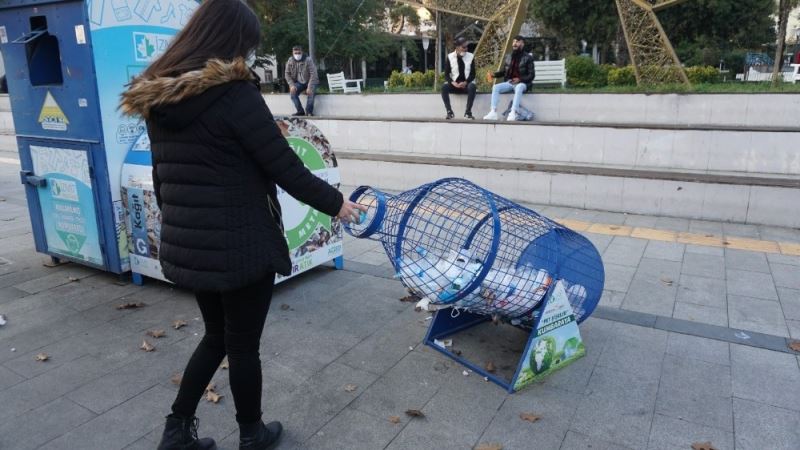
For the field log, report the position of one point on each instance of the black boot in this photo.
(181, 434)
(257, 436)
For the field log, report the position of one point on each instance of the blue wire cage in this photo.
(459, 245)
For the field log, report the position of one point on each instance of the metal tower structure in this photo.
(503, 20)
(654, 60)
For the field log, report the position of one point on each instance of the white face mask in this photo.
(251, 59)
(298, 57)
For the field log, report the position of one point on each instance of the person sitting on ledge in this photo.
(459, 73)
(301, 75)
(518, 74)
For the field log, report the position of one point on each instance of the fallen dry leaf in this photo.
(177, 379)
(178, 324)
(42, 357)
(394, 419)
(489, 447)
(74, 279)
(285, 307)
(211, 387)
(224, 365)
(490, 367)
(131, 305)
(156, 333)
(667, 281)
(530, 417)
(350, 387)
(457, 352)
(410, 298)
(703, 446)
(146, 346)
(414, 413)
(795, 346)
(213, 397)
(495, 319)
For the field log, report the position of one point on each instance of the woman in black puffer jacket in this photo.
(217, 157)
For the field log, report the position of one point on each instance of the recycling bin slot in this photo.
(43, 54)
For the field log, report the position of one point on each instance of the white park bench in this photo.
(551, 72)
(795, 73)
(337, 82)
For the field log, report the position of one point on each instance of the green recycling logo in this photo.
(313, 219)
(73, 241)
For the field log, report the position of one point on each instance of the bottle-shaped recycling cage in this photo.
(472, 252)
(458, 244)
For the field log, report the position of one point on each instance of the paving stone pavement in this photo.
(637, 388)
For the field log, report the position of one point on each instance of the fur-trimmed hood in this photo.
(150, 97)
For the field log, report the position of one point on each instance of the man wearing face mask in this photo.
(518, 74)
(459, 73)
(301, 75)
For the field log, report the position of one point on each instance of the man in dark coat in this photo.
(459, 75)
(518, 74)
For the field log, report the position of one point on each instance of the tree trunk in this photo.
(784, 8)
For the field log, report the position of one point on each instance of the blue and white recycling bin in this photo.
(313, 237)
(66, 64)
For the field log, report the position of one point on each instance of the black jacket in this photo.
(527, 69)
(217, 156)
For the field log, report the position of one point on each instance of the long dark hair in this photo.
(218, 29)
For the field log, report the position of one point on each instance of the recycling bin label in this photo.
(555, 340)
(67, 203)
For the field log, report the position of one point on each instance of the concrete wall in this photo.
(707, 201)
(704, 151)
(658, 138)
(752, 110)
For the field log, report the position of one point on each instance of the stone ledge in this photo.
(583, 124)
(578, 169)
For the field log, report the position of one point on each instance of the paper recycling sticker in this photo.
(52, 117)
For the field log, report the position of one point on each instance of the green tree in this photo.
(345, 30)
(703, 31)
(574, 20)
(700, 30)
(785, 8)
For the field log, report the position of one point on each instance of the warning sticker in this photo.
(52, 117)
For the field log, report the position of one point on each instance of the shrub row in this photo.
(583, 72)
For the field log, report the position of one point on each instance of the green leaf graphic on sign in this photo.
(73, 241)
(313, 219)
(307, 153)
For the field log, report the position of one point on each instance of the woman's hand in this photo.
(351, 212)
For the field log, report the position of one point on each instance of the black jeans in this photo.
(234, 321)
(470, 90)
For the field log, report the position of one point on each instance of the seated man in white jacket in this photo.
(459, 75)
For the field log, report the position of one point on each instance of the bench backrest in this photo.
(336, 81)
(549, 72)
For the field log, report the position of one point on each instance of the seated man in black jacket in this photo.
(518, 74)
(459, 73)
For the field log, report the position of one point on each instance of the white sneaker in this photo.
(512, 116)
(491, 116)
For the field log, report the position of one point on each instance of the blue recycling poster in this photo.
(67, 203)
(127, 35)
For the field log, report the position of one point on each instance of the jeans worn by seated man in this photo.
(311, 92)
